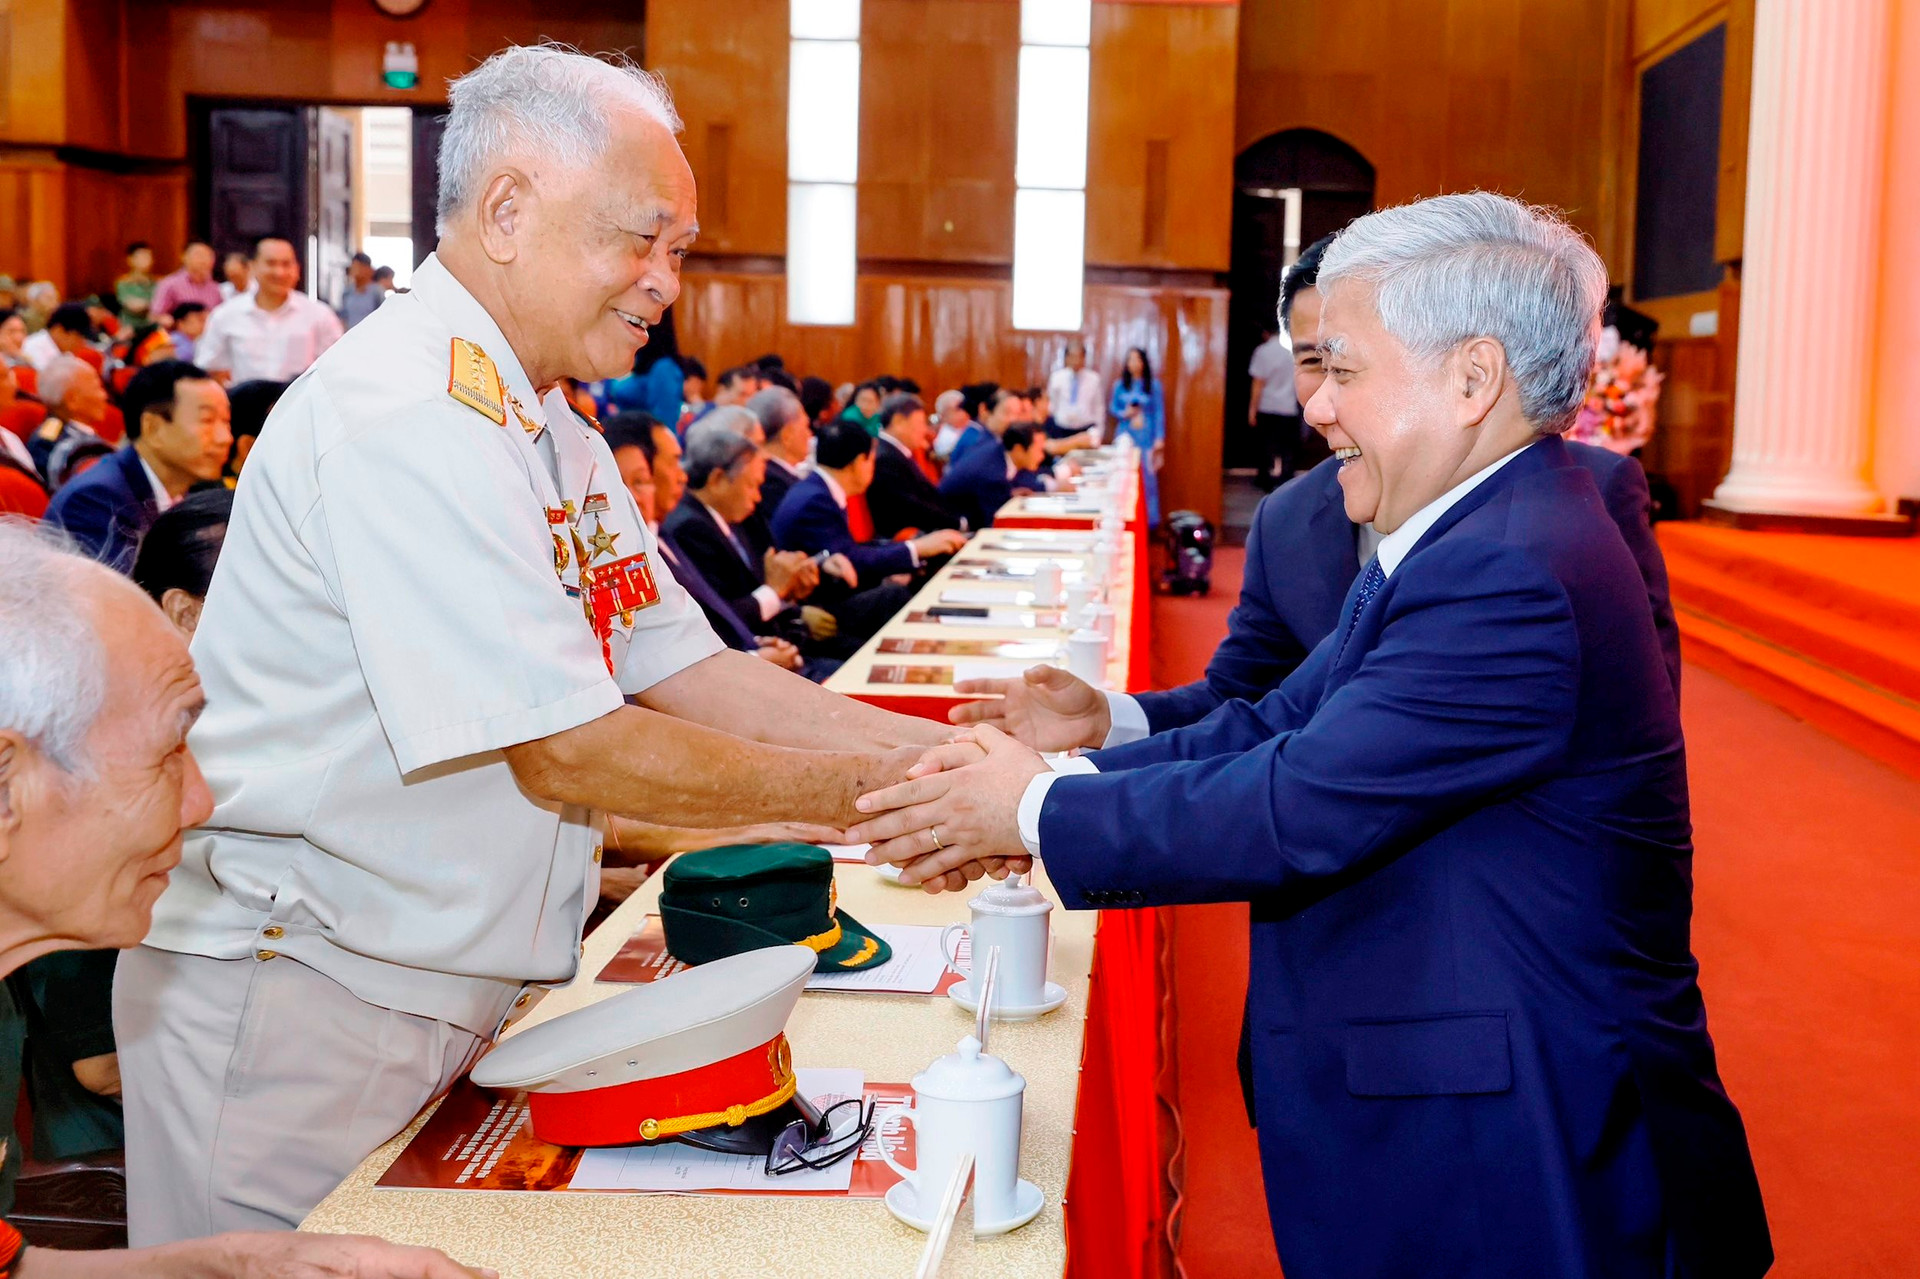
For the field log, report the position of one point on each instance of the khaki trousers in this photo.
(252, 1088)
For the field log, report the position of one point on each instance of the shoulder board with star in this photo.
(473, 380)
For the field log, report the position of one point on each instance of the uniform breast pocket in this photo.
(1447, 1054)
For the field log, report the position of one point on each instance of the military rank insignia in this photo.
(473, 380)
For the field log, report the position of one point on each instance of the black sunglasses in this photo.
(798, 1147)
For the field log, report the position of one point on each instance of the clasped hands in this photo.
(956, 817)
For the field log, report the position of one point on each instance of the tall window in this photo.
(1050, 164)
(823, 160)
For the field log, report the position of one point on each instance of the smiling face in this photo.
(1389, 415)
(596, 252)
(85, 855)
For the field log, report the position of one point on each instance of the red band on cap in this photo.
(612, 1116)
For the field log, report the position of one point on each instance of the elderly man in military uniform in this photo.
(439, 641)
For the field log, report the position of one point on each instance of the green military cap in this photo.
(724, 901)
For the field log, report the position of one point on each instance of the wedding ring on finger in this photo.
(938, 843)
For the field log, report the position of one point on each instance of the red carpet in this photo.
(1807, 924)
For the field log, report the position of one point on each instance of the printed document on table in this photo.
(915, 969)
(672, 1165)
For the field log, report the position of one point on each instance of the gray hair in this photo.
(775, 407)
(548, 100)
(57, 378)
(727, 419)
(53, 667)
(712, 451)
(948, 400)
(1457, 267)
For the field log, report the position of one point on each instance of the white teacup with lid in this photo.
(968, 1100)
(1011, 915)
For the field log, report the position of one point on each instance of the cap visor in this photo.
(859, 947)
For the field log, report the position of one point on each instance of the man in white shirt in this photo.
(435, 599)
(1273, 410)
(272, 334)
(1074, 392)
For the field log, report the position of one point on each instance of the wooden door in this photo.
(428, 124)
(254, 179)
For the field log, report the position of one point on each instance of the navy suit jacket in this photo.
(1479, 1044)
(977, 486)
(720, 615)
(810, 520)
(901, 496)
(107, 509)
(697, 537)
(1301, 560)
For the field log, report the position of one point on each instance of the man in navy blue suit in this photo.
(979, 484)
(1479, 1042)
(178, 435)
(813, 515)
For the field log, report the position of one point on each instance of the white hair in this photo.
(1457, 267)
(731, 419)
(548, 100)
(775, 407)
(57, 378)
(52, 667)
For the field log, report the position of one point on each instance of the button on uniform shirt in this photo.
(397, 601)
(246, 340)
(1075, 397)
(1273, 364)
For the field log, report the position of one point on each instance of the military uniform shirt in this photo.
(398, 599)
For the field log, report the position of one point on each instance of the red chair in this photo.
(113, 427)
(94, 358)
(22, 416)
(27, 378)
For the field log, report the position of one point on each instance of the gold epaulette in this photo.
(475, 382)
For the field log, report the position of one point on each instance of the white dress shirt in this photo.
(161, 498)
(39, 350)
(389, 614)
(1075, 398)
(249, 342)
(1393, 548)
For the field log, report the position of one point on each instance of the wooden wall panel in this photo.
(939, 87)
(944, 332)
(33, 90)
(726, 62)
(71, 224)
(1162, 73)
(1439, 95)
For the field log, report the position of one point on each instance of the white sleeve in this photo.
(769, 601)
(211, 351)
(441, 559)
(1129, 720)
(1035, 796)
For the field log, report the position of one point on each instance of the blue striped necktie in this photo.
(1370, 583)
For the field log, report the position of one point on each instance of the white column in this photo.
(1815, 174)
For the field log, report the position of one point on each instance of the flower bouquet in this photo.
(1622, 394)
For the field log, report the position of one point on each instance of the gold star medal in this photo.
(602, 541)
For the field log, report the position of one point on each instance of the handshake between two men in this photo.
(957, 816)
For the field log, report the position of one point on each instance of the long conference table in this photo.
(1091, 1138)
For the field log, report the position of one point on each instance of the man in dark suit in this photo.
(178, 435)
(813, 515)
(789, 434)
(979, 484)
(1303, 555)
(724, 474)
(904, 495)
(1479, 1042)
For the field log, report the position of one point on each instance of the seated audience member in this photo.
(251, 402)
(736, 386)
(20, 412)
(864, 407)
(723, 472)
(96, 785)
(648, 456)
(905, 497)
(693, 389)
(1002, 408)
(737, 419)
(133, 291)
(816, 396)
(66, 998)
(788, 428)
(177, 417)
(145, 344)
(69, 331)
(21, 492)
(189, 322)
(813, 516)
(949, 420)
(236, 276)
(76, 418)
(13, 337)
(982, 482)
(38, 303)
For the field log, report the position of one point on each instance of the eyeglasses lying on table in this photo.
(800, 1146)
